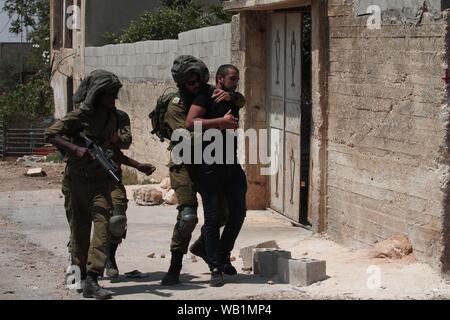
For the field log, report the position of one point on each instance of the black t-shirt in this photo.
(218, 110)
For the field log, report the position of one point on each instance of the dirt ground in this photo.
(27, 270)
(12, 176)
(33, 254)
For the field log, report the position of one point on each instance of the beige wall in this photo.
(144, 69)
(387, 139)
(138, 99)
(379, 137)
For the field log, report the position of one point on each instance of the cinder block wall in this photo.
(387, 137)
(144, 69)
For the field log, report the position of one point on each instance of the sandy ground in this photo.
(33, 256)
(12, 176)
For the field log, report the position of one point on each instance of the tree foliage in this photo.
(173, 17)
(33, 99)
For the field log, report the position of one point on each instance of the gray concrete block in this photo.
(246, 253)
(265, 261)
(305, 271)
(283, 270)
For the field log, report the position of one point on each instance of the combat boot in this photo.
(91, 288)
(111, 268)
(227, 267)
(172, 276)
(216, 278)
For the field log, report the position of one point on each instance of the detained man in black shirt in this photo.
(220, 111)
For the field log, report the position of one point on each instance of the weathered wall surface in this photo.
(144, 69)
(387, 169)
(249, 55)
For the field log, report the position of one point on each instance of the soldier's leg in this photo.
(80, 224)
(117, 226)
(186, 193)
(101, 206)
(100, 209)
(66, 193)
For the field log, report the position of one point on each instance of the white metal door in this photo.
(284, 115)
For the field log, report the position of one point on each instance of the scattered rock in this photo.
(270, 282)
(193, 259)
(165, 183)
(9, 292)
(247, 269)
(29, 160)
(396, 247)
(151, 255)
(232, 258)
(170, 197)
(163, 255)
(304, 253)
(148, 196)
(35, 172)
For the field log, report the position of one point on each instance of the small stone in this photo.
(270, 282)
(163, 256)
(9, 292)
(60, 196)
(232, 258)
(304, 253)
(151, 255)
(193, 259)
(247, 269)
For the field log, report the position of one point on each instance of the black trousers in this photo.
(212, 180)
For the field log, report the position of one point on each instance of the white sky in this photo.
(5, 36)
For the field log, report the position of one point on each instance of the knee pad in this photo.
(188, 220)
(118, 221)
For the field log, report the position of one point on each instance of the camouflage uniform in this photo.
(118, 195)
(88, 185)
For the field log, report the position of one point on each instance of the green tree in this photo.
(173, 17)
(32, 100)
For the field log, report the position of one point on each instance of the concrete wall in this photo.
(250, 57)
(144, 69)
(387, 132)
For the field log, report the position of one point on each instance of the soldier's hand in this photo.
(221, 95)
(146, 168)
(81, 152)
(229, 121)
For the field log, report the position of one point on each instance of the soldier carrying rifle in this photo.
(90, 174)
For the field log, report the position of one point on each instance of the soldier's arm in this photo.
(67, 126)
(146, 168)
(175, 117)
(235, 98)
(124, 138)
(196, 114)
